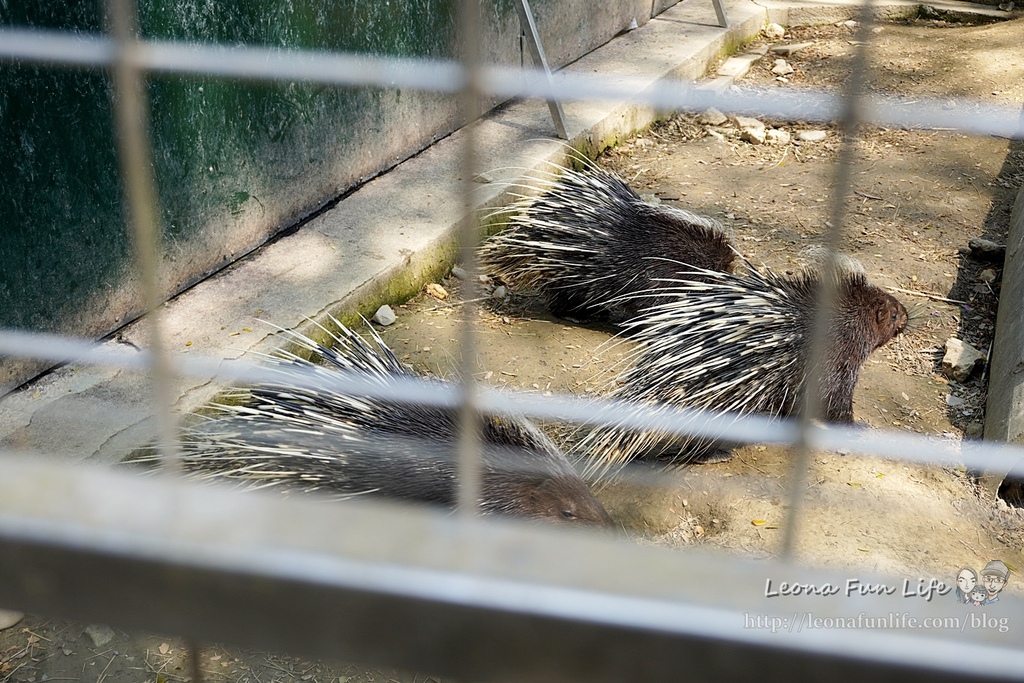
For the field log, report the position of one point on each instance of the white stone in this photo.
(774, 32)
(960, 360)
(750, 129)
(811, 135)
(384, 316)
(9, 618)
(776, 136)
(782, 68)
(99, 634)
(712, 117)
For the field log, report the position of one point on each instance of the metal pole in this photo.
(529, 29)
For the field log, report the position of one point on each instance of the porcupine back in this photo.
(593, 247)
(321, 439)
(740, 343)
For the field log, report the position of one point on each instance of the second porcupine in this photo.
(297, 437)
(593, 247)
(740, 343)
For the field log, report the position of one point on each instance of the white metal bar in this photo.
(475, 599)
(470, 97)
(446, 76)
(135, 158)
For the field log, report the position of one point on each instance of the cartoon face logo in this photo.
(994, 577)
(981, 588)
(966, 580)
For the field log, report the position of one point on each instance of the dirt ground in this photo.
(918, 198)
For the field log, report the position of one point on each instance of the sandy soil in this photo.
(918, 198)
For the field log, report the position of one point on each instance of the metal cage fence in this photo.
(475, 598)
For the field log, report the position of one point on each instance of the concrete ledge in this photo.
(381, 244)
(1004, 409)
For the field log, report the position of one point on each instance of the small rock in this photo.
(988, 275)
(953, 401)
(437, 291)
(1006, 6)
(499, 292)
(712, 117)
(750, 129)
(483, 178)
(811, 135)
(782, 68)
(9, 618)
(986, 250)
(774, 32)
(483, 279)
(878, 29)
(787, 50)
(384, 316)
(99, 634)
(776, 136)
(650, 198)
(960, 360)
(459, 273)
(850, 23)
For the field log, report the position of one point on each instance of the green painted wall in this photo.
(235, 162)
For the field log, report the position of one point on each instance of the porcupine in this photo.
(284, 434)
(598, 251)
(593, 247)
(740, 343)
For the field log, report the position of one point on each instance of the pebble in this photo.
(782, 68)
(499, 292)
(975, 430)
(9, 618)
(811, 135)
(988, 275)
(774, 32)
(960, 360)
(712, 117)
(99, 634)
(384, 316)
(986, 250)
(776, 136)
(751, 130)
(459, 273)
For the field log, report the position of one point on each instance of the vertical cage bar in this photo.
(812, 399)
(131, 127)
(469, 459)
(528, 27)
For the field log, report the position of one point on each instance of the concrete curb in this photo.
(1004, 409)
(383, 242)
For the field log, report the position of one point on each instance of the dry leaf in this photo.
(853, 483)
(758, 522)
(437, 291)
